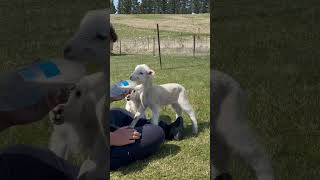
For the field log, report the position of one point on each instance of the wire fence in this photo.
(194, 45)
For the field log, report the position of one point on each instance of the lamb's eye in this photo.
(78, 94)
(101, 37)
(141, 73)
(134, 91)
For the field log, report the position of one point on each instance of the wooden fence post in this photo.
(159, 46)
(154, 46)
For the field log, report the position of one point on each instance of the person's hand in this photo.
(56, 97)
(124, 136)
(120, 97)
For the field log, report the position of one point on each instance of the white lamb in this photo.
(155, 96)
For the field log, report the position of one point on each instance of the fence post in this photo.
(154, 46)
(194, 45)
(159, 46)
(148, 42)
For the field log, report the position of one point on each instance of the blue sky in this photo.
(116, 2)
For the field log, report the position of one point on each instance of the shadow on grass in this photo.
(165, 150)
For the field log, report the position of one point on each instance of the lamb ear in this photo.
(151, 72)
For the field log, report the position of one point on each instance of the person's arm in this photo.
(112, 99)
(124, 136)
(34, 112)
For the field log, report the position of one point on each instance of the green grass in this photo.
(186, 159)
(271, 48)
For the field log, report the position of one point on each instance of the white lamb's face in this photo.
(77, 98)
(71, 109)
(142, 73)
(89, 42)
(133, 96)
(82, 93)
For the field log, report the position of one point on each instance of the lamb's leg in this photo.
(177, 109)
(185, 105)
(139, 114)
(155, 115)
(232, 125)
(129, 107)
(58, 142)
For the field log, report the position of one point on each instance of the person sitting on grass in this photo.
(128, 144)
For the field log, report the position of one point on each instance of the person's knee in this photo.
(152, 135)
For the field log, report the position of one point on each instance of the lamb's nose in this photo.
(130, 77)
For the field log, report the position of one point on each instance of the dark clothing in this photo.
(152, 137)
(25, 162)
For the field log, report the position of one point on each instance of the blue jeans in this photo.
(152, 137)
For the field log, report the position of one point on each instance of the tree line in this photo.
(161, 6)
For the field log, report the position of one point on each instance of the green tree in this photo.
(182, 6)
(113, 8)
(172, 7)
(188, 6)
(124, 7)
(157, 6)
(164, 6)
(119, 5)
(204, 6)
(178, 7)
(143, 8)
(147, 6)
(135, 7)
(196, 4)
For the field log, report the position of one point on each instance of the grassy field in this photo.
(191, 155)
(189, 158)
(271, 48)
(136, 33)
(130, 26)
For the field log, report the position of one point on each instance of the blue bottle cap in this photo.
(52, 72)
(124, 83)
(48, 69)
